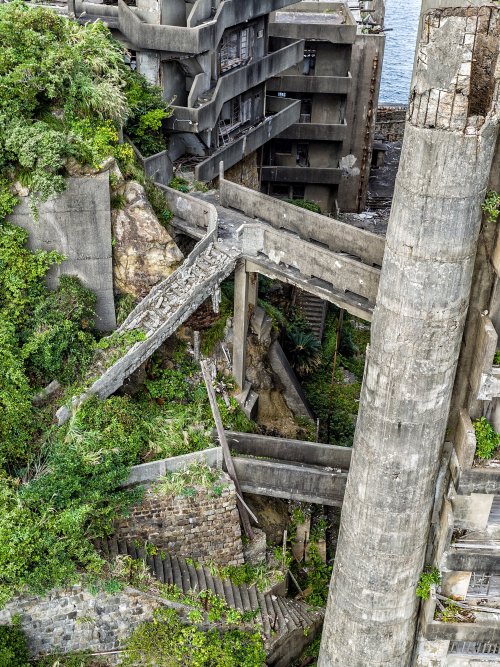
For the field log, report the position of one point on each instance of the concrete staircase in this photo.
(314, 311)
(163, 311)
(287, 625)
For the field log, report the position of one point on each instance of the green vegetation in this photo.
(215, 333)
(496, 359)
(179, 183)
(487, 439)
(303, 350)
(429, 577)
(13, 647)
(167, 642)
(65, 91)
(491, 205)
(259, 575)
(305, 203)
(334, 401)
(186, 482)
(158, 203)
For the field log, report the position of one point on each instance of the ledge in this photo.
(316, 132)
(302, 175)
(473, 559)
(198, 39)
(300, 83)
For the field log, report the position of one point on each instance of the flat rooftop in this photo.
(326, 17)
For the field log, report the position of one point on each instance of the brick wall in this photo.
(203, 527)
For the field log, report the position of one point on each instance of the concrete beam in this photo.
(240, 322)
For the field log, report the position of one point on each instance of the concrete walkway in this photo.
(338, 277)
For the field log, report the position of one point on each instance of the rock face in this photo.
(144, 253)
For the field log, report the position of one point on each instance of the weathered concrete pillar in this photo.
(417, 328)
(245, 295)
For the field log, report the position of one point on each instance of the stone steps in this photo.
(278, 615)
(314, 311)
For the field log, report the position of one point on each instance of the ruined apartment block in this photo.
(295, 90)
(326, 156)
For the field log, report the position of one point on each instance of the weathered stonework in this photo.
(73, 619)
(203, 527)
(390, 123)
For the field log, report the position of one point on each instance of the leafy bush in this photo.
(429, 577)
(179, 183)
(305, 203)
(13, 647)
(491, 205)
(64, 91)
(303, 350)
(487, 439)
(158, 203)
(166, 642)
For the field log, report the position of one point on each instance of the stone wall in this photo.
(203, 527)
(74, 619)
(78, 225)
(390, 123)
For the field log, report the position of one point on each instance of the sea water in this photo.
(401, 17)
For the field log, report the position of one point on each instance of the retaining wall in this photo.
(77, 223)
(73, 619)
(204, 526)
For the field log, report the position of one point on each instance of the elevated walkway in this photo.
(310, 472)
(322, 256)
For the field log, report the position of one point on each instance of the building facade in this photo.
(241, 85)
(326, 156)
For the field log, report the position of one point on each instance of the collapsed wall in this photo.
(450, 138)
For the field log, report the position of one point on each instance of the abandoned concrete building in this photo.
(325, 157)
(412, 491)
(239, 77)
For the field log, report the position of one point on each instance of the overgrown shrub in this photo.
(65, 90)
(13, 647)
(429, 577)
(487, 439)
(305, 203)
(167, 642)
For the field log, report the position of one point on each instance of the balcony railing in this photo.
(282, 112)
(230, 85)
(317, 175)
(190, 39)
(307, 131)
(298, 83)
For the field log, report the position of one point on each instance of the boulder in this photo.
(144, 253)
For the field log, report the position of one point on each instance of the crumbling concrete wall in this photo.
(77, 224)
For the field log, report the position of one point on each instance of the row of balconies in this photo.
(201, 34)
(233, 83)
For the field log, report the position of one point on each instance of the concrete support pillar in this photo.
(417, 327)
(245, 295)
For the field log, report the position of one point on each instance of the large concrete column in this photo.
(245, 296)
(417, 328)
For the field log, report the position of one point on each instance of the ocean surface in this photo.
(402, 17)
